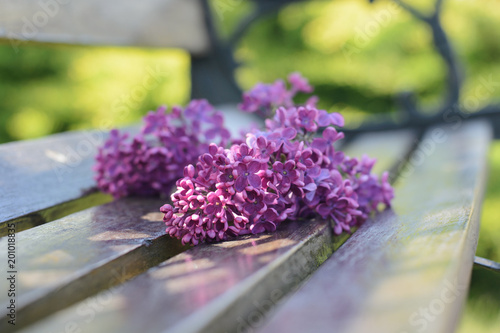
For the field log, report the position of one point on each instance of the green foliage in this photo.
(360, 56)
(45, 90)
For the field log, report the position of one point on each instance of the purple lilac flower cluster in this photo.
(263, 99)
(288, 171)
(152, 161)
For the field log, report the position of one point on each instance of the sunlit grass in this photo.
(29, 123)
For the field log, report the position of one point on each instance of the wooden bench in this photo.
(84, 263)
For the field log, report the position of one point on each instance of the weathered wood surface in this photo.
(150, 23)
(407, 270)
(45, 179)
(221, 286)
(62, 262)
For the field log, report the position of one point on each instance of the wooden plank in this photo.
(150, 23)
(48, 178)
(213, 288)
(407, 270)
(390, 156)
(62, 262)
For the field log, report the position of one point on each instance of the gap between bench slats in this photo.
(68, 259)
(208, 287)
(407, 270)
(150, 23)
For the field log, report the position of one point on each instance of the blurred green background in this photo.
(357, 55)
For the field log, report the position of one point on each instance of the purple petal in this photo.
(270, 215)
(270, 198)
(244, 150)
(253, 167)
(289, 133)
(254, 180)
(312, 101)
(257, 228)
(323, 118)
(261, 142)
(281, 114)
(310, 195)
(336, 119)
(240, 184)
(338, 157)
(275, 136)
(269, 226)
(278, 166)
(331, 135)
(319, 144)
(310, 187)
(241, 169)
(323, 210)
(212, 149)
(336, 176)
(207, 159)
(289, 165)
(209, 209)
(341, 203)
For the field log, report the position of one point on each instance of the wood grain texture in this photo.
(218, 287)
(149, 23)
(407, 270)
(62, 262)
(189, 292)
(45, 179)
(390, 148)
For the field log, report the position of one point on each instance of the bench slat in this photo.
(47, 178)
(64, 261)
(207, 287)
(406, 271)
(149, 23)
